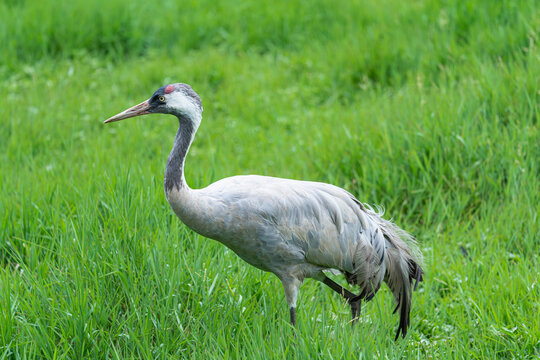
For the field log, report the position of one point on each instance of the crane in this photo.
(294, 229)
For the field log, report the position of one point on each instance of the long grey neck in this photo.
(174, 172)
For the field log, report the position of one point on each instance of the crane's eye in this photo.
(161, 98)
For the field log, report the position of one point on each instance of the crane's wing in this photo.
(321, 222)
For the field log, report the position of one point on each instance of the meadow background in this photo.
(429, 108)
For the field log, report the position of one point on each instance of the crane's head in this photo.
(175, 99)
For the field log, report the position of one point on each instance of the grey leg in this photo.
(291, 287)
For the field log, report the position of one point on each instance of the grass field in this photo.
(429, 108)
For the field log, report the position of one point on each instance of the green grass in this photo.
(428, 108)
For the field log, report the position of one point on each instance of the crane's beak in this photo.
(137, 110)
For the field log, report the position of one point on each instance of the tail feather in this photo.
(402, 271)
(402, 258)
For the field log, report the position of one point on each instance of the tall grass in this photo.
(427, 108)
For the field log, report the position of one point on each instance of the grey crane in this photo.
(294, 229)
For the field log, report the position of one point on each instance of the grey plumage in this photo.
(294, 229)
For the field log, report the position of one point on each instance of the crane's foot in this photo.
(356, 306)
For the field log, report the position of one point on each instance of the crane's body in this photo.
(294, 229)
(288, 227)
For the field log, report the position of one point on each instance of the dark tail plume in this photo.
(403, 268)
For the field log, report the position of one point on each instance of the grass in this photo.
(428, 108)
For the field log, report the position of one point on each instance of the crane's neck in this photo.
(174, 172)
(189, 205)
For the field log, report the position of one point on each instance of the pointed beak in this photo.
(137, 110)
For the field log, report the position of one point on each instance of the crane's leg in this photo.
(354, 301)
(291, 285)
